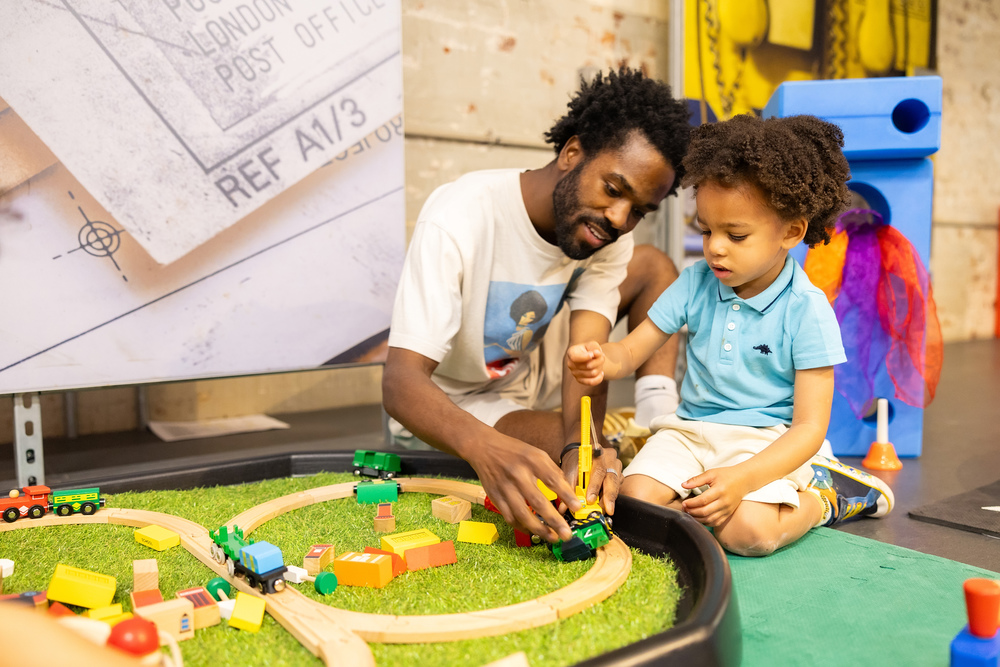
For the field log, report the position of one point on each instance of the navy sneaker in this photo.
(848, 493)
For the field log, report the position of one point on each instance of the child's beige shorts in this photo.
(679, 449)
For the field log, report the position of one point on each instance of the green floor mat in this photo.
(838, 599)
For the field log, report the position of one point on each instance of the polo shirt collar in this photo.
(762, 301)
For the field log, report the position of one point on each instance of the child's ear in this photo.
(794, 233)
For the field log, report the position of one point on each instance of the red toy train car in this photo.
(36, 501)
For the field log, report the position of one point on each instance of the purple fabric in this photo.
(857, 310)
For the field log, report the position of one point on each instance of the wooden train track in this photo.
(339, 635)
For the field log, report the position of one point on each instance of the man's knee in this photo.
(651, 266)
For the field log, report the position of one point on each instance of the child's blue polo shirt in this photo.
(742, 354)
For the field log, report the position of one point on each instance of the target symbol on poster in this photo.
(98, 239)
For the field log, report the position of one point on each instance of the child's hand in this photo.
(586, 362)
(717, 504)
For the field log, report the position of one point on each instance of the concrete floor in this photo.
(961, 452)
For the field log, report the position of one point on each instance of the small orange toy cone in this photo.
(882, 455)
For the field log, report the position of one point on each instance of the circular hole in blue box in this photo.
(910, 116)
(872, 198)
(871, 413)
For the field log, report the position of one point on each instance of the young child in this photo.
(762, 343)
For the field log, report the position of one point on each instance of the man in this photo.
(493, 258)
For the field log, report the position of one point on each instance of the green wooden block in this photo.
(379, 491)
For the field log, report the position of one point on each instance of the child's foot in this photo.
(847, 493)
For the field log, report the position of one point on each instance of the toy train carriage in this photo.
(84, 501)
(588, 535)
(261, 563)
(35, 501)
(376, 464)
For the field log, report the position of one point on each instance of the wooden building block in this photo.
(451, 509)
(398, 564)
(477, 532)
(145, 574)
(385, 522)
(6, 568)
(400, 542)
(157, 537)
(175, 617)
(101, 613)
(319, 556)
(248, 613)
(145, 598)
(371, 570)
(432, 555)
(81, 587)
(206, 610)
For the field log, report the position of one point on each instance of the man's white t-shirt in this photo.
(479, 285)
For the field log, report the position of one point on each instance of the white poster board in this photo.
(125, 262)
(181, 117)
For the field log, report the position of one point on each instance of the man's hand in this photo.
(586, 362)
(717, 504)
(603, 485)
(508, 470)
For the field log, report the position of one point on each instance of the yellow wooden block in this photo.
(102, 613)
(248, 614)
(115, 620)
(477, 532)
(400, 542)
(451, 509)
(157, 537)
(83, 588)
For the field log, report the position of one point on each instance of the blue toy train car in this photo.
(260, 563)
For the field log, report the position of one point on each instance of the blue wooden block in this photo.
(900, 190)
(882, 119)
(968, 650)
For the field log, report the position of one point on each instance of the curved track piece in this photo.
(610, 569)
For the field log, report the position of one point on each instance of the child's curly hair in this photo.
(795, 162)
(606, 111)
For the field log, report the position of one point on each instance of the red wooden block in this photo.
(433, 555)
(488, 504)
(146, 598)
(522, 539)
(398, 564)
(59, 609)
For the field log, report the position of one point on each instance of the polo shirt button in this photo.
(727, 347)
(736, 306)
(731, 326)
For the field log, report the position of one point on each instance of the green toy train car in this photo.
(376, 464)
(588, 535)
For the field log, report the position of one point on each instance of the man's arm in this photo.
(507, 467)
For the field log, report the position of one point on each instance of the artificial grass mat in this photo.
(484, 577)
(832, 598)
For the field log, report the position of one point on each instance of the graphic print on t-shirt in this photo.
(516, 319)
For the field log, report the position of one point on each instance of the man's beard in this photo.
(565, 208)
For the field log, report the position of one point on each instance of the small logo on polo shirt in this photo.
(763, 349)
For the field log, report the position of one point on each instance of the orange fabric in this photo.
(825, 265)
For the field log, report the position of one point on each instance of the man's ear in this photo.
(570, 155)
(794, 233)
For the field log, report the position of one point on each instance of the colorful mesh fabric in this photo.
(885, 308)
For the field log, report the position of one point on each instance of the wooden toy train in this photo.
(260, 563)
(37, 501)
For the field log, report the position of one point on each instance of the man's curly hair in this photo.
(607, 110)
(795, 162)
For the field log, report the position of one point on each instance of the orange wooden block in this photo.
(354, 569)
(432, 555)
(398, 564)
(145, 598)
(385, 522)
(318, 558)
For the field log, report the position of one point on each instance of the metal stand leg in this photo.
(29, 461)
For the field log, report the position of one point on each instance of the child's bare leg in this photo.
(650, 490)
(758, 529)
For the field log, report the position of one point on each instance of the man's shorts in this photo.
(680, 449)
(535, 385)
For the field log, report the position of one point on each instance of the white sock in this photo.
(655, 395)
